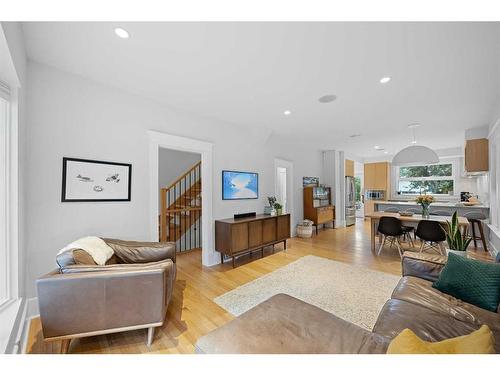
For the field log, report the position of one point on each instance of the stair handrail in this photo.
(183, 175)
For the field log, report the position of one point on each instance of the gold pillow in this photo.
(481, 341)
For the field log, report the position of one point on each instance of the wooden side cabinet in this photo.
(318, 206)
(476, 155)
(234, 237)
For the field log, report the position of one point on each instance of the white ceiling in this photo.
(445, 76)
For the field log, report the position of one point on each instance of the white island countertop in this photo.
(434, 204)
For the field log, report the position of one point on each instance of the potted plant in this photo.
(425, 201)
(270, 210)
(279, 208)
(457, 243)
(305, 229)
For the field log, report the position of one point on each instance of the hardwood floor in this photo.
(192, 313)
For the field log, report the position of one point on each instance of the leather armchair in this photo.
(131, 291)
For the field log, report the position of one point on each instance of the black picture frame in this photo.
(64, 180)
(237, 199)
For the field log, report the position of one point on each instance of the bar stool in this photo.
(477, 219)
(390, 227)
(432, 233)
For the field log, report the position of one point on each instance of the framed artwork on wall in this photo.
(240, 185)
(95, 181)
(310, 181)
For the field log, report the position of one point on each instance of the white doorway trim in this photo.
(159, 140)
(289, 187)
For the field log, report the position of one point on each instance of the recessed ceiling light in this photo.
(327, 98)
(287, 112)
(122, 33)
(386, 152)
(385, 79)
(377, 147)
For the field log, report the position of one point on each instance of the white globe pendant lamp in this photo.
(415, 155)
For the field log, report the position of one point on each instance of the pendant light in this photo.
(415, 155)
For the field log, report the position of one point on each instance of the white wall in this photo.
(71, 116)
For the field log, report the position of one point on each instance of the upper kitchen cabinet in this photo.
(349, 168)
(377, 176)
(476, 155)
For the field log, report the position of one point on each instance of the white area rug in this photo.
(353, 293)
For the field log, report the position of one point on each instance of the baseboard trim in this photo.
(21, 333)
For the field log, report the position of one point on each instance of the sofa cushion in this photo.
(141, 252)
(79, 257)
(477, 342)
(471, 280)
(421, 292)
(429, 325)
(118, 267)
(284, 324)
(423, 265)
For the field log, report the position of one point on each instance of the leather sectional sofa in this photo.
(283, 324)
(131, 291)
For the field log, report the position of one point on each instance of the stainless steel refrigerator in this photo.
(350, 201)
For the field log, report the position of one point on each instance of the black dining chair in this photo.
(432, 234)
(407, 229)
(390, 227)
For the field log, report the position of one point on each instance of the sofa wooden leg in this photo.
(151, 334)
(65, 346)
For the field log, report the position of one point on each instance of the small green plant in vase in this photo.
(270, 210)
(457, 243)
(279, 208)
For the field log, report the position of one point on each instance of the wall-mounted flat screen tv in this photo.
(240, 185)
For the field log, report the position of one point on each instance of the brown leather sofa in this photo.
(131, 291)
(283, 324)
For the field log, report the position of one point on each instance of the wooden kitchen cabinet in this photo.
(369, 176)
(377, 176)
(349, 168)
(476, 155)
(369, 207)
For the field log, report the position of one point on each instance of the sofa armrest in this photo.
(424, 266)
(89, 303)
(142, 252)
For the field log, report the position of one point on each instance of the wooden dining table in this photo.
(405, 220)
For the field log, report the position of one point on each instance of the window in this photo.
(431, 179)
(4, 181)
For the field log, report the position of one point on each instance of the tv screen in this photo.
(240, 185)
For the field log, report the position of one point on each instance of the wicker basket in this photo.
(304, 231)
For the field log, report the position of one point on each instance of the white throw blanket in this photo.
(95, 246)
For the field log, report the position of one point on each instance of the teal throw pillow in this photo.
(472, 281)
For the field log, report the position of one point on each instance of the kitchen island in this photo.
(441, 206)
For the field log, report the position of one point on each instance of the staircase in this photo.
(180, 210)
